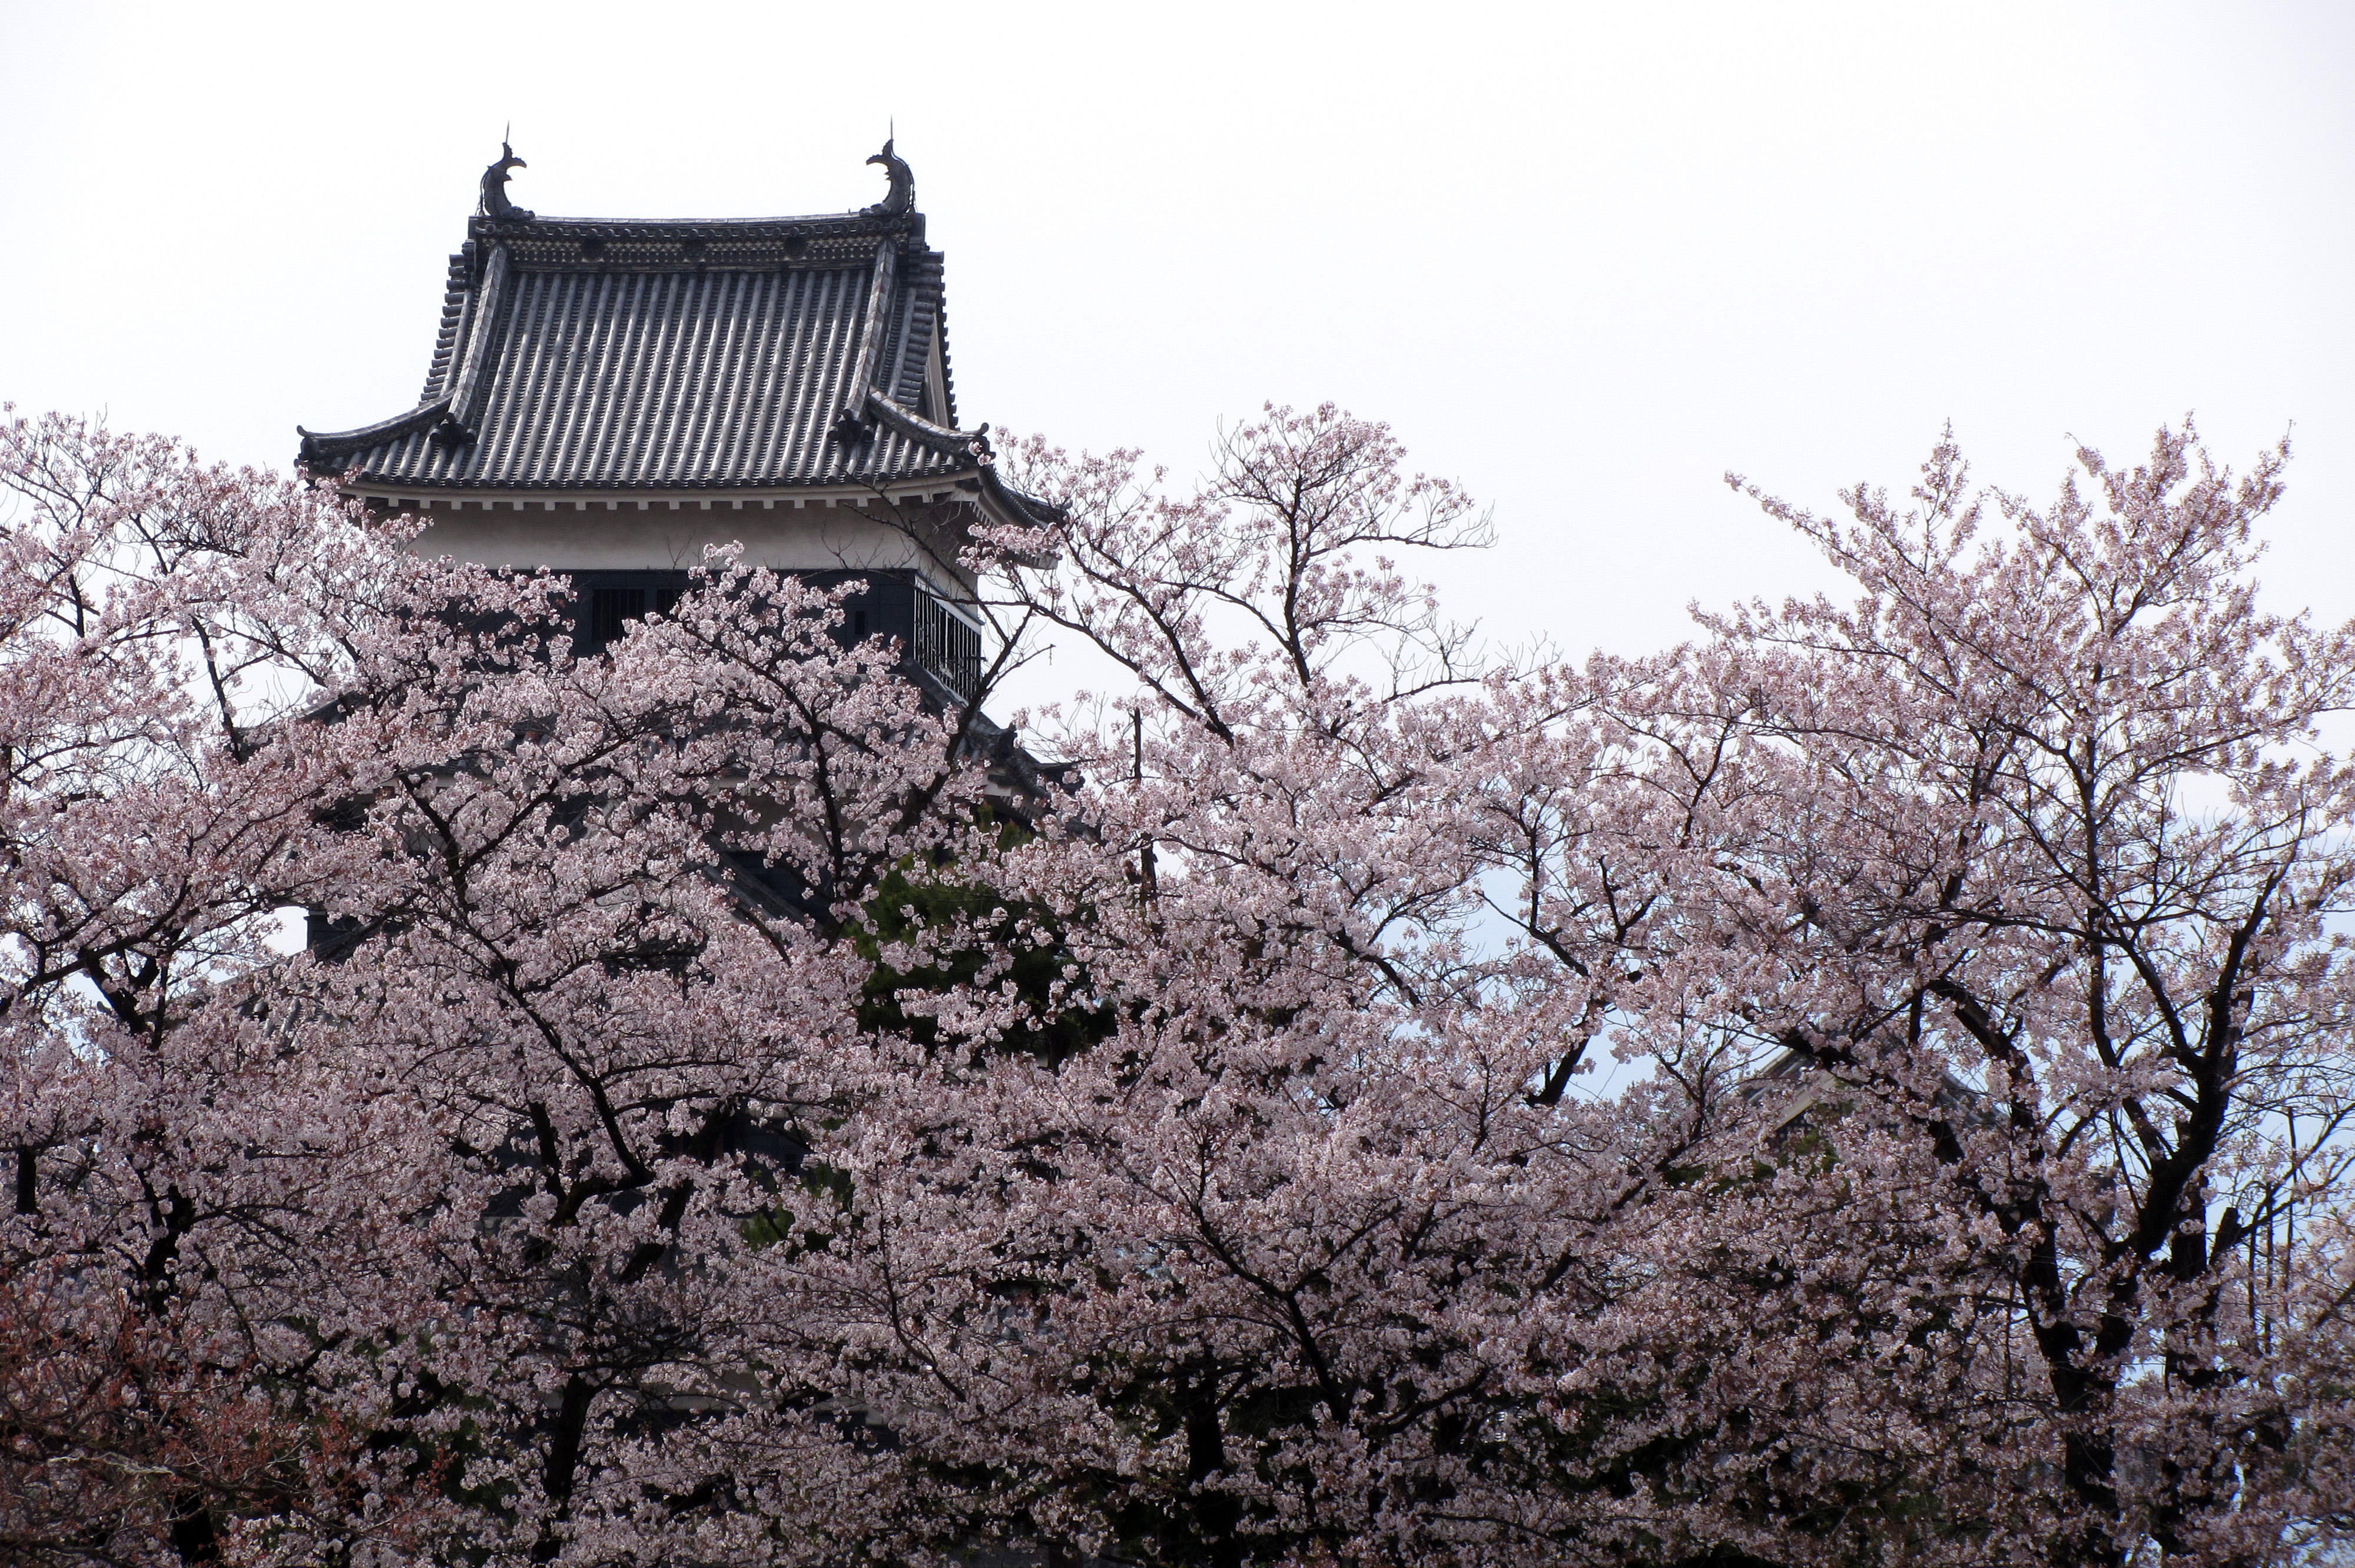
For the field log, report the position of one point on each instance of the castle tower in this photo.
(607, 397)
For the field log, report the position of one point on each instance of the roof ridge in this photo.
(445, 343)
(466, 390)
(851, 422)
(916, 428)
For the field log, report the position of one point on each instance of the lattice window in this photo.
(610, 610)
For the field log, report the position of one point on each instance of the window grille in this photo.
(947, 646)
(610, 610)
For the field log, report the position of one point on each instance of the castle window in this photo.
(610, 610)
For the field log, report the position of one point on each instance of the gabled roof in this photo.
(594, 353)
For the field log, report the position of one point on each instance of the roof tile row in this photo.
(567, 361)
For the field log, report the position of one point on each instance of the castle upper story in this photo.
(607, 397)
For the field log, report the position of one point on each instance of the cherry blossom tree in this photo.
(1972, 946)
(1271, 1268)
(710, 1126)
(2029, 861)
(446, 1210)
(187, 1191)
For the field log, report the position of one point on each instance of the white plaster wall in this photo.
(805, 538)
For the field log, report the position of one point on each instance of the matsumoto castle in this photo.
(607, 397)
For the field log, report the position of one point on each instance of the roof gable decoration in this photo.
(901, 197)
(495, 203)
(623, 355)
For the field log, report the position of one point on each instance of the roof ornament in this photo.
(496, 205)
(901, 197)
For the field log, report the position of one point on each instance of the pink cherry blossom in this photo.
(733, 1115)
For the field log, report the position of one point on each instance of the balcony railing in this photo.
(947, 646)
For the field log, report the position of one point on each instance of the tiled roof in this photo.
(585, 354)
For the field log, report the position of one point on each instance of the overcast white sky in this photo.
(1583, 258)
